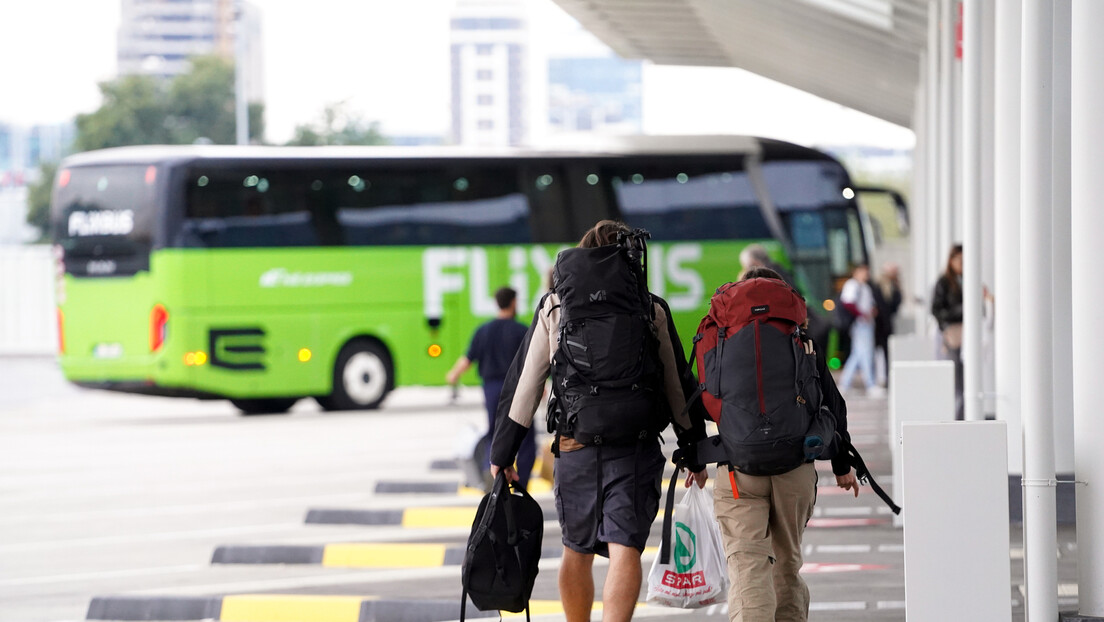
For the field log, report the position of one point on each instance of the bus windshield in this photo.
(103, 219)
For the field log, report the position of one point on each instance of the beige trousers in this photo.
(762, 533)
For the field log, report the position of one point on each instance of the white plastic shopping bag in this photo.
(697, 573)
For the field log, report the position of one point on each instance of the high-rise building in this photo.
(491, 75)
(157, 37)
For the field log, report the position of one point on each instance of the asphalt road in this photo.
(115, 496)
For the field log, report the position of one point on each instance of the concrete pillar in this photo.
(1087, 162)
(1006, 286)
(919, 203)
(1063, 258)
(988, 252)
(936, 170)
(947, 208)
(1036, 302)
(972, 359)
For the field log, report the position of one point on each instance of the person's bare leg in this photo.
(622, 584)
(577, 585)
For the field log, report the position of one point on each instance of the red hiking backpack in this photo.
(757, 382)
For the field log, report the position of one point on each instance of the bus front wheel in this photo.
(363, 375)
(266, 406)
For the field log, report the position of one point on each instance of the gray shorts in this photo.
(631, 487)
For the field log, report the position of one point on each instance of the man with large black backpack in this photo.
(619, 378)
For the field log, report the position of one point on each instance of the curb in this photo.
(355, 555)
(277, 607)
(536, 486)
(412, 517)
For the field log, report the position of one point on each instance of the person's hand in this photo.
(511, 473)
(848, 482)
(699, 478)
(452, 377)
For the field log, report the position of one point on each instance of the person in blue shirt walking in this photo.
(492, 348)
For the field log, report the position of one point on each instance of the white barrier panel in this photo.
(956, 540)
(919, 391)
(28, 320)
(910, 348)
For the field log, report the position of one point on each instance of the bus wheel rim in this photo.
(365, 377)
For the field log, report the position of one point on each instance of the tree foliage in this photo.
(144, 110)
(38, 197)
(337, 126)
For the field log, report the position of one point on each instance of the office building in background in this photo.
(491, 73)
(157, 37)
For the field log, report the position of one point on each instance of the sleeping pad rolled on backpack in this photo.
(504, 549)
(606, 372)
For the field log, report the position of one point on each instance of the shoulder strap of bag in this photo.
(863, 473)
(668, 517)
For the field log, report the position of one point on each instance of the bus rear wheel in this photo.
(265, 406)
(363, 375)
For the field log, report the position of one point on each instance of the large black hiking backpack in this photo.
(504, 549)
(606, 372)
(758, 383)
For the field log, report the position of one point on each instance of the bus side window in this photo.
(687, 201)
(438, 205)
(550, 218)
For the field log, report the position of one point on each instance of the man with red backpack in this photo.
(777, 409)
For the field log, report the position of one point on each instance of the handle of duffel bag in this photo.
(507, 507)
(668, 517)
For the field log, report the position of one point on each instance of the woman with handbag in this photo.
(946, 306)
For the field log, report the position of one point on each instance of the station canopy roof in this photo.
(864, 54)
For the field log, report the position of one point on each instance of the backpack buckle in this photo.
(593, 390)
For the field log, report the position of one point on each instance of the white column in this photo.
(1088, 297)
(918, 205)
(934, 244)
(988, 228)
(970, 170)
(1036, 260)
(1063, 258)
(1006, 287)
(946, 128)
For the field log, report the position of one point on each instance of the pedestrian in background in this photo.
(755, 256)
(858, 298)
(887, 300)
(493, 347)
(946, 306)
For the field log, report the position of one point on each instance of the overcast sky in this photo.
(389, 61)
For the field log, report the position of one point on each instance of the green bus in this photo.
(265, 275)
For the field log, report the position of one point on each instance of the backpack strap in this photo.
(863, 473)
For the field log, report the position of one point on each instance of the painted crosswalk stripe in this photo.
(291, 608)
(838, 606)
(384, 555)
(843, 548)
